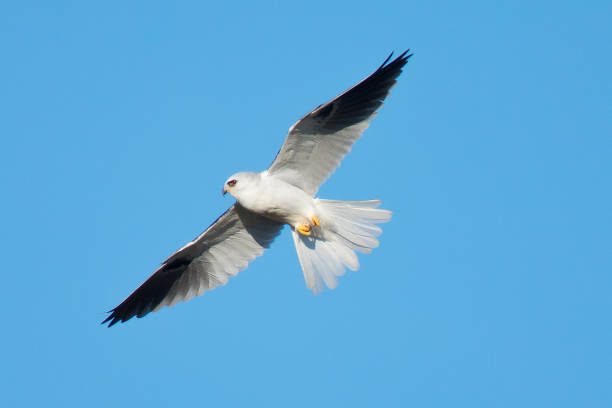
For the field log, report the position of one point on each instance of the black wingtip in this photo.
(112, 318)
(385, 61)
(397, 64)
(404, 56)
(151, 293)
(401, 59)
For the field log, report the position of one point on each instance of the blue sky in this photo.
(491, 287)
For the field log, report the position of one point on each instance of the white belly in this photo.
(280, 201)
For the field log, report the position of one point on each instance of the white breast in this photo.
(278, 200)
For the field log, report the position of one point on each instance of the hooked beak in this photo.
(225, 190)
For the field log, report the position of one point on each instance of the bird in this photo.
(326, 233)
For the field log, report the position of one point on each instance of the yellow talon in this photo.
(306, 229)
(303, 229)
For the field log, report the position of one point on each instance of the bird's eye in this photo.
(231, 183)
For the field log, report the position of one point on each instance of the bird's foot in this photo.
(306, 229)
(303, 229)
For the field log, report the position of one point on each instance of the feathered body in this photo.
(272, 197)
(344, 226)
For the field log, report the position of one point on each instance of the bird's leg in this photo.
(315, 221)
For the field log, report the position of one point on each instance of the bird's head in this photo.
(238, 183)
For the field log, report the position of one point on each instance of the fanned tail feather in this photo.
(346, 227)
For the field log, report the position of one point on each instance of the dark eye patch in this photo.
(231, 183)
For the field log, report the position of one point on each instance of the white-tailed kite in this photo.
(326, 233)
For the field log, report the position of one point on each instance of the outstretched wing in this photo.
(225, 248)
(317, 143)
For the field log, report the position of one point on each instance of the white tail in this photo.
(346, 227)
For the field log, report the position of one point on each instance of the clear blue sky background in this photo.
(491, 288)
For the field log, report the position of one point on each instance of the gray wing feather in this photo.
(317, 143)
(226, 247)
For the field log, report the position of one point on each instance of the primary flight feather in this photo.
(326, 233)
